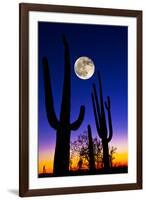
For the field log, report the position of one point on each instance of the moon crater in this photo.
(84, 67)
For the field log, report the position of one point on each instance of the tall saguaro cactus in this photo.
(91, 150)
(104, 132)
(62, 126)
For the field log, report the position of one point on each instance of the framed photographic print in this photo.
(80, 99)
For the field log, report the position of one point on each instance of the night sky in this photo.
(107, 46)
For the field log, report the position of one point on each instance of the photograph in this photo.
(82, 99)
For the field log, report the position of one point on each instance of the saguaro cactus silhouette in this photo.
(91, 150)
(62, 126)
(100, 120)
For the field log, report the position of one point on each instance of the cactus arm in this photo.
(75, 125)
(107, 105)
(95, 116)
(51, 116)
(101, 96)
(96, 100)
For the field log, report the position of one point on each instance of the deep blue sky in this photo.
(107, 47)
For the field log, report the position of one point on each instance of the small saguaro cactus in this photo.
(90, 150)
(104, 132)
(63, 126)
(44, 169)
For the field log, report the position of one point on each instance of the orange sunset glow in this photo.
(46, 159)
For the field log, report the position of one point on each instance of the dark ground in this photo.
(115, 170)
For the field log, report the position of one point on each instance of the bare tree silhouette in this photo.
(112, 153)
(88, 154)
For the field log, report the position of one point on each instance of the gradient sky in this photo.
(107, 46)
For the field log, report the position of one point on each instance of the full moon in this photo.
(84, 67)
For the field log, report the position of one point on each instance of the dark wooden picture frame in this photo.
(24, 190)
